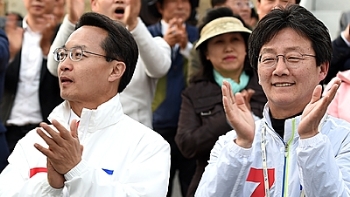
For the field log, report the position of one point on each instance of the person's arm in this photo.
(4, 50)
(227, 169)
(154, 51)
(318, 165)
(146, 176)
(63, 33)
(15, 179)
(323, 156)
(75, 8)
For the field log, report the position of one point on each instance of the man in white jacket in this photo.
(154, 60)
(296, 149)
(92, 148)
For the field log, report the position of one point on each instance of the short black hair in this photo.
(296, 1)
(119, 44)
(207, 66)
(297, 18)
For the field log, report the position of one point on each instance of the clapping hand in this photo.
(315, 110)
(239, 116)
(64, 150)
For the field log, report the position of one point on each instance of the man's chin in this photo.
(117, 17)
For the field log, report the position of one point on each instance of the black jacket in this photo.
(340, 60)
(49, 91)
(202, 120)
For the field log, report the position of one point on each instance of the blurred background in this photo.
(327, 11)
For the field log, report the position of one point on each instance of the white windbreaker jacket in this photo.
(121, 157)
(317, 167)
(153, 63)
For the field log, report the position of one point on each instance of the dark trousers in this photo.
(4, 152)
(185, 167)
(15, 133)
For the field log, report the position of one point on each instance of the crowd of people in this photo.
(252, 101)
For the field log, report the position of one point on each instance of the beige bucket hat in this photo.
(220, 26)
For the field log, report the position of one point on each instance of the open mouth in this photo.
(119, 11)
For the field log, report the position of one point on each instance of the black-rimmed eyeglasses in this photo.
(75, 54)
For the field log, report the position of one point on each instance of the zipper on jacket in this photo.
(286, 156)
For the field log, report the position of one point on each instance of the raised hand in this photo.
(50, 23)
(315, 110)
(171, 35)
(75, 9)
(181, 35)
(14, 35)
(64, 150)
(131, 14)
(239, 116)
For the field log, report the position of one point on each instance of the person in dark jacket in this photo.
(31, 91)
(4, 58)
(166, 104)
(222, 47)
(341, 55)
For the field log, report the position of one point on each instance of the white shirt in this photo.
(26, 107)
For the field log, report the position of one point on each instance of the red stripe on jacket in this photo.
(34, 171)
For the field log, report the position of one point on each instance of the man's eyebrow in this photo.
(267, 50)
(82, 46)
(288, 49)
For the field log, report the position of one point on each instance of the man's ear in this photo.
(117, 71)
(323, 70)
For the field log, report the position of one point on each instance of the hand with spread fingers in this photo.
(315, 110)
(238, 115)
(64, 150)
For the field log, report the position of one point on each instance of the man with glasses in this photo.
(154, 58)
(239, 7)
(296, 149)
(92, 148)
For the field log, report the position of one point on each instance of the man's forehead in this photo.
(279, 1)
